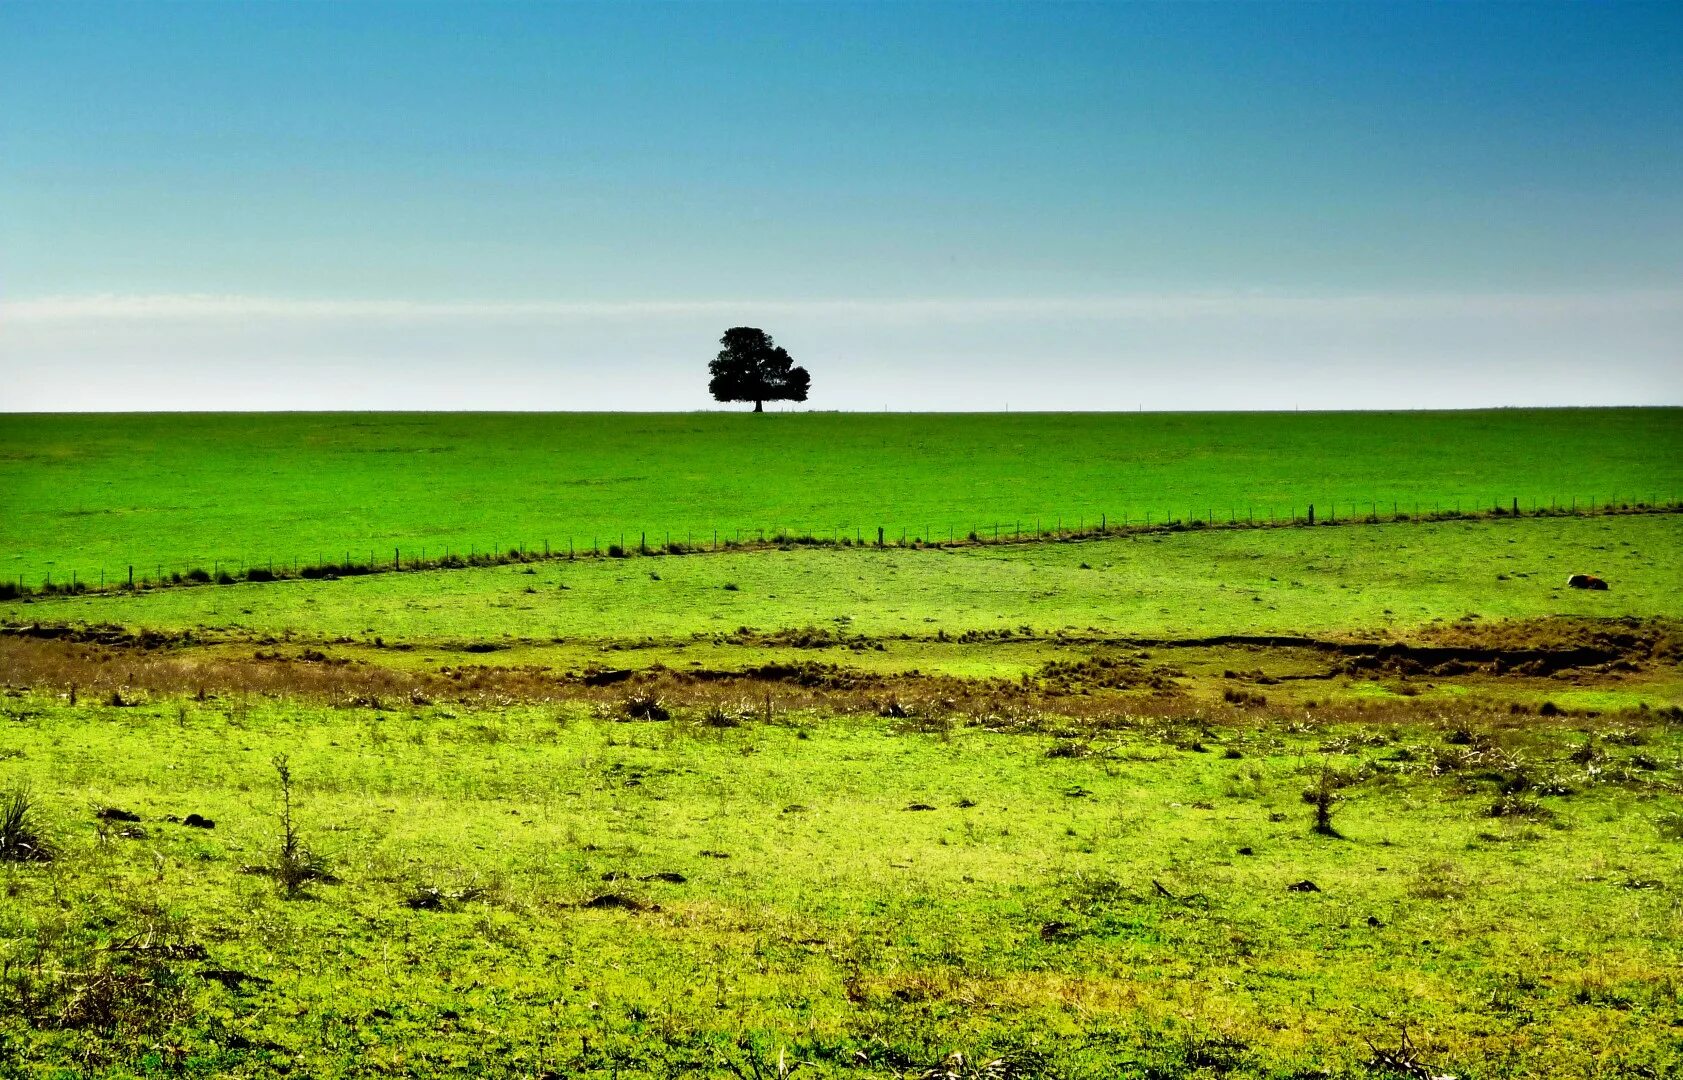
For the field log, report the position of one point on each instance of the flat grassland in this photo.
(949, 813)
(86, 493)
(544, 891)
(1361, 578)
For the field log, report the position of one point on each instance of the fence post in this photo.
(1311, 513)
(879, 536)
(131, 575)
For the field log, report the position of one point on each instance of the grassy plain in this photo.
(972, 813)
(547, 891)
(1369, 579)
(82, 493)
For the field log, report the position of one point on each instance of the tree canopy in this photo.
(752, 367)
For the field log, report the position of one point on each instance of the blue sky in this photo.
(933, 206)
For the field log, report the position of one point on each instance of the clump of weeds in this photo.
(1516, 805)
(1324, 797)
(20, 830)
(296, 865)
(718, 715)
(645, 707)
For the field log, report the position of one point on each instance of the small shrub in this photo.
(224, 578)
(645, 707)
(615, 551)
(20, 833)
(295, 864)
(198, 576)
(259, 573)
(1323, 796)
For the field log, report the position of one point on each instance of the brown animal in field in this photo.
(1586, 581)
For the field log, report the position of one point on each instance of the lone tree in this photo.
(752, 367)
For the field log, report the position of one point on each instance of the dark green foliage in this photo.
(752, 367)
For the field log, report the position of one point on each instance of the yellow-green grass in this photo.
(87, 495)
(1091, 915)
(1371, 580)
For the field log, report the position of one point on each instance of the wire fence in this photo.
(630, 543)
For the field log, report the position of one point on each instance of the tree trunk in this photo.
(759, 407)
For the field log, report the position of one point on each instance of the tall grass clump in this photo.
(20, 830)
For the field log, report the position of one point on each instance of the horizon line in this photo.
(831, 412)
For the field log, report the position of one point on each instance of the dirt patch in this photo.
(1108, 671)
(1537, 647)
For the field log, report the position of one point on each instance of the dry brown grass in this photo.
(132, 673)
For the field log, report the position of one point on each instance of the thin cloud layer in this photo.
(180, 306)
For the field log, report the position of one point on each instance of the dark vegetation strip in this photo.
(217, 575)
(1563, 641)
(110, 664)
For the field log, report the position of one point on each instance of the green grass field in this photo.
(980, 812)
(1360, 579)
(538, 892)
(100, 492)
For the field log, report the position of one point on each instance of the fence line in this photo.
(1017, 531)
